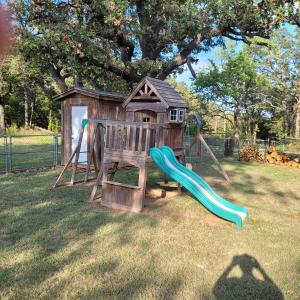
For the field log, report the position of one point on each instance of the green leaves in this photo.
(127, 40)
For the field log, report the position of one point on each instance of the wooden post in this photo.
(75, 152)
(91, 155)
(221, 169)
(100, 160)
(65, 167)
(77, 155)
(142, 185)
(113, 171)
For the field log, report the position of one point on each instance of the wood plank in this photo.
(139, 146)
(147, 142)
(91, 155)
(133, 140)
(100, 162)
(134, 106)
(65, 168)
(122, 184)
(77, 155)
(145, 97)
(127, 137)
(220, 167)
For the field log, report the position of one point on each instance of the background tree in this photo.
(236, 88)
(25, 93)
(113, 44)
(280, 62)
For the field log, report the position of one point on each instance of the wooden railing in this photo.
(132, 138)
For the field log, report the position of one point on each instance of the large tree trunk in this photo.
(237, 125)
(26, 109)
(50, 120)
(254, 134)
(2, 119)
(32, 111)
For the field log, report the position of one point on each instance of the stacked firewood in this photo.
(250, 153)
(277, 158)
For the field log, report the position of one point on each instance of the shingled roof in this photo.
(97, 94)
(162, 89)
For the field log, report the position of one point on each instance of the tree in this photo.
(113, 44)
(236, 88)
(23, 88)
(280, 62)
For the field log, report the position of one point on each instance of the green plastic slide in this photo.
(165, 158)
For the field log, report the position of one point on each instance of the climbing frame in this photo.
(126, 144)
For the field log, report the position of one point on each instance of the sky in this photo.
(204, 57)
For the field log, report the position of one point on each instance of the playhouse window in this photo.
(177, 115)
(173, 115)
(180, 115)
(146, 119)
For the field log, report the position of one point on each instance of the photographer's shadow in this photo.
(253, 283)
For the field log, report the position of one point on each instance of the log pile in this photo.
(250, 153)
(276, 158)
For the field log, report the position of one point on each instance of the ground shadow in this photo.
(254, 283)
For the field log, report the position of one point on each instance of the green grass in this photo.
(27, 152)
(56, 245)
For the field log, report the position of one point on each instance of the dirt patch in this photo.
(297, 214)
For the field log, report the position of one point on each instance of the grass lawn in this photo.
(27, 152)
(53, 244)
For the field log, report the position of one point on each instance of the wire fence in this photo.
(24, 152)
(216, 143)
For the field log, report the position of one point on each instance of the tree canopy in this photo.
(256, 84)
(99, 42)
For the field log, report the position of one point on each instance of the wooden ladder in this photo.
(93, 158)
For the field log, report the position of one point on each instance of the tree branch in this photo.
(189, 64)
(60, 80)
(181, 58)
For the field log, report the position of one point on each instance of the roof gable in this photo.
(155, 89)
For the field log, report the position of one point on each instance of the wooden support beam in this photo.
(91, 157)
(113, 171)
(77, 156)
(65, 167)
(146, 97)
(220, 167)
(100, 159)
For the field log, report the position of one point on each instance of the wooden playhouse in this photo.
(82, 103)
(152, 115)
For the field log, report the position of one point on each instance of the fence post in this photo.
(10, 152)
(5, 153)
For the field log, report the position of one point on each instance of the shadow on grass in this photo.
(52, 231)
(245, 182)
(69, 240)
(254, 282)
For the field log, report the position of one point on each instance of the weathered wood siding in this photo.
(174, 136)
(97, 109)
(140, 115)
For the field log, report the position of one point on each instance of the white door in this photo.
(79, 113)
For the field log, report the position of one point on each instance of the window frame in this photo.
(177, 115)
(146, 119)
